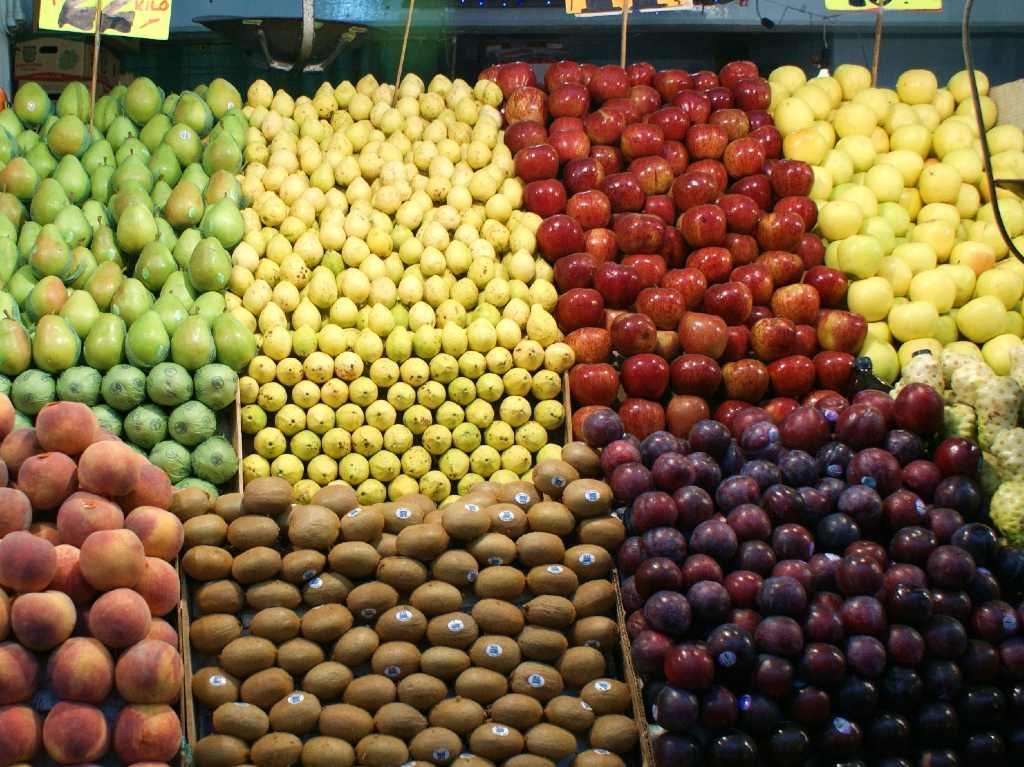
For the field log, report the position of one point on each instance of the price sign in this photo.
(150, 19)
(614, 7)
(889, 5)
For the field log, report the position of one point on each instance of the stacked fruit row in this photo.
(86, 546)
(403, 320)
(114, 255)
(470, 634)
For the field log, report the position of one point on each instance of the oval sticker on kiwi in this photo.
(500, 730)
(602, 685)
(354, 513)
(495, 561)
(471, 575)
(586, 559)
(555, 569)
(558, 481)
(403, 513)
(591, 495)
(472, 507)
(403, 616)
(506, 515)
(392, 671)
(441, 755)
(316, 583)
(522, 497)
(493, 650)
(455, 625)
(296, 697)
(535, 680)
(602, 751)
(217, 680)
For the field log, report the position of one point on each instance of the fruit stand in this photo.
(567, 414)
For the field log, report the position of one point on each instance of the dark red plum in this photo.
(982, 707)
(631, 599)
(822, 664)
(759, 437)
(832, 488)
(602, 427)
(863, 615)
(750, 522)
(759, 714)
(616, 454)
(655, 444)
(911, 605)
(665, 542)
(856, 699)
(905, 645)
(672, 471)
(906, 446)
(957, 455)
(904, 509)
(748, 620)
(985, 748)
(814, 505)
(950, 567)
(861, 426)
(944, 522)
(811, 706)
(710, 602)
(676, 710)
(716, 539)
(653, 509)
(648, 651)
(922, 477)
(636, 624)
(901, 573)
(798, 569)
(735, 491)
(709, 437)
(877, 399)
(865, 656)
(859, 574)
(743, 586)
(956, 604)
(675, 751)
(944, 637)
(706, 473)
(782, 595)
(781, 503)
(888, 735)
(733, 651)
(756, 556)
(630, 554)
(658, 574)
(788, 746)
(629, 481)
(936, 724)
(918, 408)
(779, 635)
(668, 612)
(719, 710)
(912, 544)
(733, 460)
(835, 532)
(695, 506)
(701, 567)
(1011, 655)
(805, 429)
(958, 493)
(823, 571)
(979, 540)
(798, 468)
(689, 666)
(862, 504)
(875, 468)
(773, 676)
(870, 549)
(764, 473)
(793, 541)
(833, 458)
(983, 587)
(994, 621)
(841, 739)
(735, 749)
(901, 689)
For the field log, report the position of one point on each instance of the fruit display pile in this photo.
(472, 634)
(406, 344)
(904, 207)
(89, 662)
(114, 257)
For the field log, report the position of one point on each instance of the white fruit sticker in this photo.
(392, 671)
(316, 583)
(218, 681)
(586, 559)
(296, 697)
(403, 616)
(403, 513)
(522, 497)
(555, 569)
(535, 680)
(591, 495)
(500, 730)
(602, 685)
(494, 650)
(506, 515)
(455, 625)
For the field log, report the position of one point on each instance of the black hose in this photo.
(986, 156)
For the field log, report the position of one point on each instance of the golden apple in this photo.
(860, 256)
(968, 202)
(839, 165)
(927, 115)
(1004, 138)
(793, 114)
(900, 116)
(914, 138)
(863, 197)
(853, 119)
(917, 86)
(807, 145)
(939, 211)
(789, 77)
(816, 98)
(821, 189)
(934, 287)
(872, 298)
(989, 112)
(981, 318)
(996, 352)
(876, 99)
(963, 278)
(939, 234)
(968, 163)
(881, 230)
(952, 134)
(853, 79)
(879, 331)
(944, 103)
(896, 272)
(946, 331)
(860, 150)
(908, 163)
(960, 84)
(1004, 284)
(1012, 212)
(897, 217)
(884, 362)
(839, 219)
(939, 182)
(912, 320)
(885, 182)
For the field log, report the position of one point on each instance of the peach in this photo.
(160, 531)
(27, 563)
(85, 513)
(65, 426)
(159, 586)
(15, 511)
(163, 631)
(119, 618)
(5, 615)
(5, 476)
(18, 672)
(149, 672)
(17, 446)
(45, 530)
(74, 733)
(6, 417)
(20, 726)
(112, 559)
(108, 468)
(41, 621)
(69, 578)
(152, 488)
(147, 733)
(47, 479)
(81, 670)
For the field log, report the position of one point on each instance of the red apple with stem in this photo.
(779, 231)
(663, 305)
(736, 71)
(574, 271)
(514, 75)
(692, 189)
(609, 82)
(811, 250)
(701, 333)
(655, 174)
(570, 145)
(562, 124)
(804, 207)
(671, 82)
(785, 268)
(594, 384)
(661, 205)
(645, 99)
(609, 156)
(604, 126)
(741, 213)
(742, 247)
(696, 105)
(645, 376)
(524, 134)
(744, 157)
(841, 331)
(734, 121)
(770, 139)
(791, 178)
(672, 120)
(737, 343)
(582, 175)
(559, 236)
(651, 268)
(831, 285)
(619, 284)
(638, 233)
(705, 141)
(792, 376)
(600, 243)
(641, 73)
(695, 374)
(703, 226)
(633, 333)
(675, 154)
(590, 344)
(834, 370)
(545, 197)
(752, 93)
(745, 380)
(624, 192)
(570, 100)
(806, 340)
(798, 302)
(668, 345)
(591, 209)
(526, 103)
(562, 73)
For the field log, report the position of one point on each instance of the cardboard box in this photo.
(56, 61)
(1009, 98)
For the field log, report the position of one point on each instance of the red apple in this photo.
(526, 103)
(604, 126)
(524, 134)
(644, 375)
(756, 187)
(661, 205)
(638, 233)
(737, 343)
(683, 411)
(582, 175)
(734, 121)
(609, 157)
(695, 374)
(701, 333)
(562, 124)
(641, 140)
(705, 141)
(744, 157)
(640, 73)
(641, 417)
(667, 345)
(720, 98)
(703, 226)
(624, 191)
(571, 100)
(745, 380)
(804, 207)
(811, 250)
(758, 280)
(840, 331)
(833, 369)
(600, 243)
(690, 283)
(590, 344)
(624, 106)
(545, 197)
(672, 120)
(587, 72)
(618, 284)
(830, 283)
(799, 302)
(772, 338)
(673, 247)
(792, 376)
(806, 340)
(609, 82)
(591, 208)
(732, 301)
(561, 73)
(714, 169)
(786, 268)
(537, 162)
(559, 236)
(676, 156)
(574, 271)
(705, 79)
(752, 93)
(655, 174)
(671, 82)
(692, 189)
(791, 177)
(728, 409)
(741, 213)
(760, 118)
(633, 333)
(715, 263)
(570, 145)
(779, 407)
(771, 140)
(610, 315)
(514, 75)
(651, 268)
(645, 99)
(696, 105)
(579, 308)
(742, 247)
(732, 73)
(594, 384)
(779, 231)
(663, 305)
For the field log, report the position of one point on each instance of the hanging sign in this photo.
(889, 5)
(150, 19)
(614, 7)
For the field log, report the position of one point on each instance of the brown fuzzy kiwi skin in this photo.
(345, 721)
(500, 582)
(362, 524)
(368, 600)
(598, 757)
(522, 494)
(456, 567)
(323, 751)
(402, 573)
(207, 563)
(570, 713)
(212, 633)
(607, 696)
(213, 687)
(595, 631)
(550, 612)
(260, 563)
(400, 720)
(539, 549)
(614, 732)
(556, 579)
(205, 530)
(507, 519)
(496, 741)
(552, 475)
(400, 515)
(273, 594)
(551, 517)
(325, 589)
(249, 532)
(434, 517)
(276, 749)
(435, 598)
(220, 751)
(592, 598)
(527, 760)
(396, 660)
(423, 542)
(419, 501)
(240, 720)
(550, 741)
(492, 549)
(381, 751)
(438, 745)
(466, 759)
(538, 680)
(340, 499)
(267, 687)
(326, 623)
(495, 616)
(297, 656)
(583, 458)
(516, 710)
(541, 644)
(219, 597)
(387, 545)
(267, 496)
(606, 532)
(497, 653)
(370, 692)
(401, 623)
(190, 502)
(454, 629)
(581, 664)
(588, 562)
(327, 680)
(422, 691)
(465, 519)
(588, 498)
(481, 684)
(355, 646)
(444, 662)
(303, 565)
(460, 715)
(354, 559)
(246, 655)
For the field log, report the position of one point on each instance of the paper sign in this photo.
(150, 19)
(889, 5)
(610, 7)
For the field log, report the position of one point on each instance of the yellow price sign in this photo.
(889, 5)
(150, 19)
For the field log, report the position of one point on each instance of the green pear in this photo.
(161, 191)
(132, 148)
(96, 214)
(131, 300)
(41, 159)
(104, 246)
(15, 347)
(236, 125)
(236, 346)
(153, 132)
(81, 312)
(12, 209)
(165, 234)
(49, 200)
(55, 345)
(31, 104)
(209, 306)
(47, 297)
(107, 110)
(50, 254)
(104, 345)
(186, 244)
(164, 165)
(196, 176)
(210, 266)
(154, 266)
(177, 286)
(193, 112)
(184, 208)
(223, 221)
(222, 96)
(172, 312)
(99, 153)
(101, 181)
(104, 283)
(223, 184)
(120, 131)
(135, 229)
(69, 135)
(21, 283)
(184, 142)
(142, 100)
(192, 344)
(74, 100)
(27, 239)
(85, 265)
(147, 343)
(222, 153)
(19, 178)
(125, 198)
(7, 229)
(73, 179)
(11, 123)
(8, 259)
(133, 174)
(25, 141)
(170, 104)
(73, 226)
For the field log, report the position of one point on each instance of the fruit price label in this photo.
(609, 7)
(150, 19)
(889, 5)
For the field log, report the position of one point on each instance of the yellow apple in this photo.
(900, 116)
(914, 319)
(1012, 212)
(885, 182)
(839, 219)
(1004, 284)
(792, 115)
(824, 127)
(860, 150)
(789, 77)
(989, 111)
(853, 79)
(927, 115)
(1012, 265)
(963, 280)
(967, 161)
(996, 352)
(939, 183)
(860, 195)
(977, 256)
(939, 211)
(1014, 324)
(879, 331)
(917, 86)
(981, 318)
(965, 348)
(919, 256)
(839, 166)
(779, 94)
(944, 103)
(910, 348)
(816, 98)
(951, 135)
(968, 122)
(807, 145)
(852, 119)
(832, 254)
(879, 228)
(989, 234)
(940, 235)
(1004, 138)
(960, 84)
(908, 163)
(876, 100)
(821, 189)
(884, 362)
(898, 218)
(831, 87)
(968, 202)
(914, 138)
(910, 201)
(945, 331)
(880, 139)
(860, 256)
(897, 274)
(934, 287)
(872, 298)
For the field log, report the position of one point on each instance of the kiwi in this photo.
(219, 597)
(396, 660)
(327, 680)
(424, 504)
(496, 741)
(522, 494)
(354, 559)
(276, 749)
(213, 686)
(190, 502)
(552, 475)
(465, 519)
(255, 565)
(326, 623)
(423, 542)
(517, 710)
(538, 680)
(454, 629)
(340, 499)
(554, 579)
(500, 582)
(248, 532)
(381, 751)
(345, 721)
(495, 616)
(267, 496)
(588, 498)
(207, 563)
(595, 631)
(614, 732)
(527, 760)
(219, 750)
(205, 530)
(594, 598)
(550, 611)
(355, 646)
(481, 684)
(228, 506)
(508, 519)
(545, 645)
(597, 757)
(362, 524)
(457, 567)
(535, 549)
(551, 517)
(240, 720)
(303, 565)
(497, 653)
(583, 458)
(387, 545)
(326, 588)
(297, 713)
(402, 573)
(435, 517)
(212, 633)
(368, 600)
(493, 549)
(570, 713)
(606, 532)
(313, 527)
(400, 515)
(444, 662)
(581, 664)
(438, 745)
(244, 656)
(401, 623)
(422, 691)
(550, 741)
(588, 562)
(370, 692)
(400, 720)
(466, 759)
(273, 594)
(436, 597)
(460, 715)
(321, 751)
(267, 687)
(297, 656)
(607, 696)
